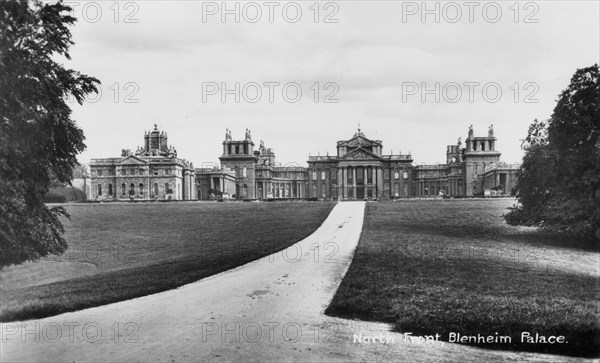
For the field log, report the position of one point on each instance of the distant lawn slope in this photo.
(122, 251)
(441, 267)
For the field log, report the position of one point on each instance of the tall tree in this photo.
(38, 139)
(558, 184)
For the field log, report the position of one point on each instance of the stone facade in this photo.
(153, 172)
(249, 173)
(360, 171)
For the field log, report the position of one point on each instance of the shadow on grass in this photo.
(504, 233)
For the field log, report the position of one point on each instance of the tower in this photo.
(479, 152)
(238, 155)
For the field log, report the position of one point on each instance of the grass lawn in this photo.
(436, 267)
(122, 251)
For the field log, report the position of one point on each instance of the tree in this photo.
(558, 185)
(38, 139)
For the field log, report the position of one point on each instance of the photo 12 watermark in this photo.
(253, 12)
(470, 12)
(69, 332)
(118, 12)
(269, 92)
(280, 332)
(469, 91)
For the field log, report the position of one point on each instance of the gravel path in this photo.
(268, 310)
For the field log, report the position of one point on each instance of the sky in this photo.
(306, 74)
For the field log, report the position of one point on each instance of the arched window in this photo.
(155, 189)
(110, 191)
(141, 187)
(123, 189)
(99, 189)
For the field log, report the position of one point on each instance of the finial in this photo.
(155, 127)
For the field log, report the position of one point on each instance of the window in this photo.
(245, 172)
(99, 172)
(132, 172)
(141, 189)
(99, 189)
(110, 191)
(167, 171)
(405, 175)
(167, 189)
(131, 189)
(360, 175)
(155, 189)
(123, 172)
(323, 190)
(396, 175)
(142, 172)
(123, 189)
(314, 175)
(322, 175)
(156, 173)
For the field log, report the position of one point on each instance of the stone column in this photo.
(354, 182)
(380, 181)
(340, 183)
(344, 182)
(365, 184)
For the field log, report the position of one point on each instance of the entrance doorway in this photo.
(360, 192)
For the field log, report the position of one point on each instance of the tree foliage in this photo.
(38, 139)
(558, 184)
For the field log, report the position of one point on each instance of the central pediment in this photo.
(359, 141)
(360, 154)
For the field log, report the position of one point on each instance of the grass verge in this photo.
(128, 251)
(442, 267)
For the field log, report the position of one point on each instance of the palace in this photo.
(153, 172)
(358, 171)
